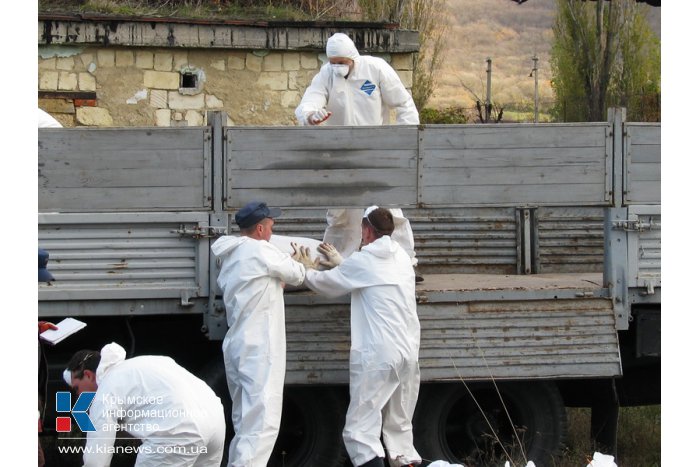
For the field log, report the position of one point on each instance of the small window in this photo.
(188, 80)
(191, 81)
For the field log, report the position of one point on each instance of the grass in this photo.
(199, 9)
(638, 438)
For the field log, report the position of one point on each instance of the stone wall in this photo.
(122, 85)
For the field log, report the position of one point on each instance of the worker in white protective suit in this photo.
(47, 121)
(252, 277)
(385, 338)
(178, 418)
(354, 89)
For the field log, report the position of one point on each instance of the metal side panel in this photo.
(569, 239)
(465, 240)
(124, 169)
(515, 165)
(125, 256)
(456, 240)
(642, 182)
(644, 247)
(519, 339)
(318, 342)
(309, 223)
(327, 166)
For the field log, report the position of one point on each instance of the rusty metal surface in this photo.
(503, 339)
(569, 239)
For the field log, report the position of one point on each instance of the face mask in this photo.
(340, 70)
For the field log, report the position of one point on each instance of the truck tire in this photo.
(448, 424)
(311, 428)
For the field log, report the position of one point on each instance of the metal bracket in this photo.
(200, 231)
(649, 285)
(185, 296)
(630, 225)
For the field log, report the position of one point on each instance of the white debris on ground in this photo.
(599, 460)
(602, 460)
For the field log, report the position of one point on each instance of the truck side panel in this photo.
(507, 165)
(343, 166)
(119, 256)
(642, 177)
(124, 169)
(471, 340)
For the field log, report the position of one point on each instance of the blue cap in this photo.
(254, 212)
(44, 274)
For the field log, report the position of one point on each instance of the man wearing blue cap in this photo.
(44, 274)
(253, 274)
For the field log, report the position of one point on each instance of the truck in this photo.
(539, 245)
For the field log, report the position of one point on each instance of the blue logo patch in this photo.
(368, 87)
(78, 411)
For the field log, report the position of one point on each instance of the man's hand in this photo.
(303, 255)
(319, 117)
(329, 251)
(45, 326)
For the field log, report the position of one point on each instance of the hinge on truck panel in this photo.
(200, 231)
(185, 296)
(649, 286)
(636, 225)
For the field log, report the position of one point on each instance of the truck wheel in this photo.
(311, 428)
(311, 431)
(448, 424)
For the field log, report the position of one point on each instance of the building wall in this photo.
(123, 85)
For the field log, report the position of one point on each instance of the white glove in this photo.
(302, 255)
(329, 251)
(319, 116)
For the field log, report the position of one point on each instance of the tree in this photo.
(428, 18)
(603, 54)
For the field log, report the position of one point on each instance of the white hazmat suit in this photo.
(179, 419)
(47, 121)
(385, 335)
(364, 97)
(252, 276)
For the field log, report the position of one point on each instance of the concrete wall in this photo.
(126, 73)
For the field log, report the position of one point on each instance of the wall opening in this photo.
(191, 80)
(188, 80)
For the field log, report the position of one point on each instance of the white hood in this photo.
(110, 355)
(340, 45)
(226, 244)
(382, 247)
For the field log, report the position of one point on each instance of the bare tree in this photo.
(485, 112)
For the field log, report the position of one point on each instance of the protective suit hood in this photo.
(110, 355)
(340, 45)
(382, 247)
(226, 244)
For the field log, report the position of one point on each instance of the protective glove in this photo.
(319, 116)
(303, 255)
(329, 251)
